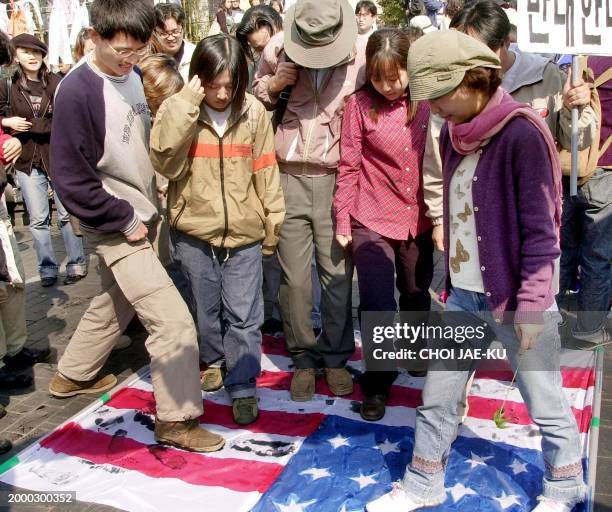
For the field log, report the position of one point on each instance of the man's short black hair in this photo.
(167, 11)
(134, 18)
(366, 4)
(254, 19)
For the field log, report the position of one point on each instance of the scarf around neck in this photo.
(468, 137)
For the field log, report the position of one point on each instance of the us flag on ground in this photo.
(317, 456)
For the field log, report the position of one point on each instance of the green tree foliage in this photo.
(393, 13)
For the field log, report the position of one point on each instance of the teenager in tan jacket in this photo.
(214, 143)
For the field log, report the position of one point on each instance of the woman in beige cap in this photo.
(501, 174)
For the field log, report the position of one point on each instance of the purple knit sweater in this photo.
(513, 196)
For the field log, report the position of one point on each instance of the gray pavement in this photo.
(52, 316)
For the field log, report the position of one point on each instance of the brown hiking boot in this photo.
(63, 387)
(339, 381)
(212, 378)
(245, 410)
(303, 384)
(187, 435)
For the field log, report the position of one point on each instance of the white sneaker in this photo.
(124, 342)
(397, 500)
(550, 505)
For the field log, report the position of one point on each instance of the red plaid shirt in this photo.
(379, 181)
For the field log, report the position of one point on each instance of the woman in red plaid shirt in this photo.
(379, 204)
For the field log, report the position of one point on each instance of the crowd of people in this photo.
(247, 176)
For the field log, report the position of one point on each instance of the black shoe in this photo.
(26, 358)
(417, 373)
(272, 326)
(45, 282)
(10, 380)
(2, 411)
(5, 446)
(73, 279)
(373, 407)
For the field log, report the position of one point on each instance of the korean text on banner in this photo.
(565, 26)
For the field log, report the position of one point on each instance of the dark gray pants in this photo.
(308, 222)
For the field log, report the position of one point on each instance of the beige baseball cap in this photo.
(437, 62)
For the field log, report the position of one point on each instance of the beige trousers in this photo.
(13, 331)
(134, 280)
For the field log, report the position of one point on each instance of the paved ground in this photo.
(53, 314)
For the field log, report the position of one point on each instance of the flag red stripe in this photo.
(480, 407)
(269, 422)
(162, 462)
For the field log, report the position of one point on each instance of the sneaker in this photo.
(212, 378)
(73, 279)
(398, 500)
(46, 282)
(187, 435)
(303, 384)
(339, 381)
(245, 410)
(62, 387)
(550, 505)
(26, 358)
(124, 342)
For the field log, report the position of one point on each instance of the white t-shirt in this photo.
(219, 119)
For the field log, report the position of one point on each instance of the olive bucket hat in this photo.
(437, 62)
(320, 33)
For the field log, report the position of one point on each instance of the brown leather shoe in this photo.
(187, 435)
(62, 387)
(303, 384)
(373, 407)
(212, 378)
(339, 381)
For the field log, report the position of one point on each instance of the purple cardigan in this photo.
(513, 196)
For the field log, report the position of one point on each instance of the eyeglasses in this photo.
(363, 15)
(177, 32)
(126, 54)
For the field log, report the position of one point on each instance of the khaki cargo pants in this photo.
(134, 280)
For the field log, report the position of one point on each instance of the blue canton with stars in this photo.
(345, 464)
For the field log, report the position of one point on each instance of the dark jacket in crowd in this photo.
(35, 141)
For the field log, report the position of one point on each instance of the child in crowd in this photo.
(107, 182)
(29, 97)
(379, 202)
(214, 142)
(161, 79)
(495, 153)
(84, 44)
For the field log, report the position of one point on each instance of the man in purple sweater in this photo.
(102, 171)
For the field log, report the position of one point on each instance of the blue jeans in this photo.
(226, 289)
(34, 189)
(585, 243)
(437, 421)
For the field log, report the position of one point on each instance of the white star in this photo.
(294, 507)
(363, 480)
(388, 447)
(459, 491)
(518, 467)
(477, 460)
(338, 441)
(506, 501)
(316, 473)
